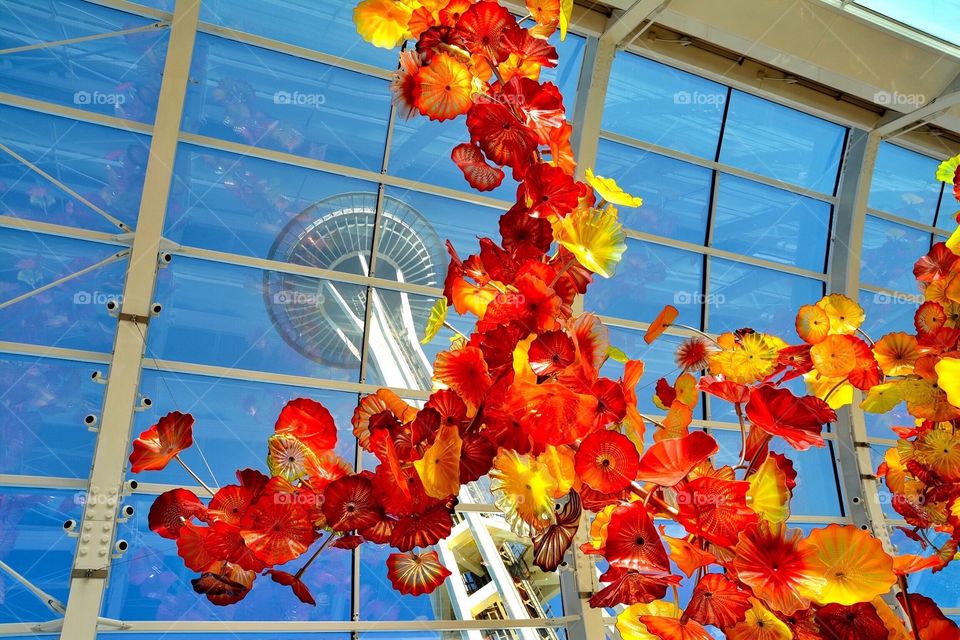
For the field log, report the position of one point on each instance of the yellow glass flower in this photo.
(382, 23)
(438, 315)
(837, 392)
(594, 237)
(883, 398)
(560, 463)
(846, 316)
(948, 379)
(749, 360)
(760, 624)
(610, 191)
(897, 353)
(287, 456)
(439, 468)
(948, 169)
(852, 563)
(628, 622)
(769, 495)
(522, 488)
(939, 449)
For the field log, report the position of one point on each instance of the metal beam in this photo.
(623, 24)
(949, 97)
(98, 526)
(853, 457)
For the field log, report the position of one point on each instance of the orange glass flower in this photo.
(772, 561)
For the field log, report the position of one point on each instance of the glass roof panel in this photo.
(41, 416)
(116, 76)
(71, 315)
(937, 18)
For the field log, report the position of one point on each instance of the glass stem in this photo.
(194, 475)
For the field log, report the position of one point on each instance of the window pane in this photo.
(665, 106)
(116, 76)
(756, 220)
(324, 26)
(35, 546)
(887, 313)
(152, 583)
(232, 316)
(904, 184)
(782, 143)
(43, 407)
(417, 225)
(676, 194)
(240, 204)
(266, 99)
(106, 166)
(234, 418)
(763, 299)
(889, 252)
(940, 586)
(72, 315)
(669, 276)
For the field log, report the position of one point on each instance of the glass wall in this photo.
(739, 194)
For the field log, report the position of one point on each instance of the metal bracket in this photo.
(87, 574)
(132, 317)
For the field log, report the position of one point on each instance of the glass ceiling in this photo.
(938, 18)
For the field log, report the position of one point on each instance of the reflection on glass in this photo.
(904, 184)
(889, 252)
(665, 106)
(34, 545)
(756, 220)
(782, 143)
(274, 101)
(649, 277)
(43, 407)
(71, 315)
(240, 204)
(105, 166)
(324, 26)
(766, 300)
(676, 194)
(118, 76)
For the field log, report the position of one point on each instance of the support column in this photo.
(853, 451)
(98, 527)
